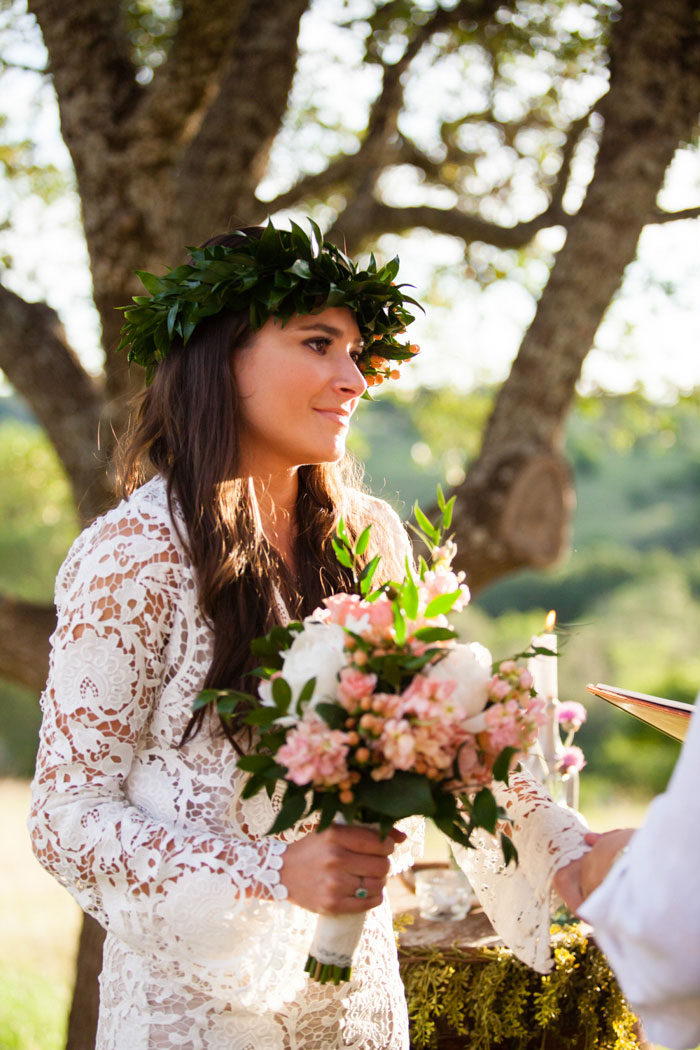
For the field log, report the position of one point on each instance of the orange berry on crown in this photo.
(394, 374)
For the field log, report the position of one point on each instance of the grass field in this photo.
(39, 924)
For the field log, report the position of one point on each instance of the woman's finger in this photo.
(365, 865)
(361, 840)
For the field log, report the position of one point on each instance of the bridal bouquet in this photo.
(371, 710)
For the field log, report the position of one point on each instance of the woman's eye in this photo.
(319, 345)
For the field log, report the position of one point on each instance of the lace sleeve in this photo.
(151, 882)
(519, 901)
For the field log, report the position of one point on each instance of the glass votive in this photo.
(443, 893)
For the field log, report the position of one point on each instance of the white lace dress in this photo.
(202, 951)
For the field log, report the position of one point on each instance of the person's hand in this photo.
(577, 880)
(322, 871)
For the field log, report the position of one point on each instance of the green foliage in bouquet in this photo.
(371, 797)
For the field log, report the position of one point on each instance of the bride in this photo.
(234, 477)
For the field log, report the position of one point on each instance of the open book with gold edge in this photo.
(669, 716)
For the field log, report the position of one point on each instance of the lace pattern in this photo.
(155, 840)
(519, 900)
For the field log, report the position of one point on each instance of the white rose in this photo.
(316, 652)
(470, 667)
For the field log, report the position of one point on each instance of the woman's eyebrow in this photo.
(329, 329)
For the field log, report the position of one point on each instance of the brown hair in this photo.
(188, 429)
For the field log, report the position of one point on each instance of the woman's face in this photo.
(299, 386)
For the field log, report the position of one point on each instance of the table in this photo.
(466, 991)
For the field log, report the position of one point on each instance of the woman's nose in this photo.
(350, 380)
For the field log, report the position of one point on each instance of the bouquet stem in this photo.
(333, 946)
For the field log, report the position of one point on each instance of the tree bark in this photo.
(651, 106)
(43, 368)
(82, 1020)
(229, 155)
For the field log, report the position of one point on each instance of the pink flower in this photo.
(381, 613)
(467, 761)
(503, 727)
(444, 555)
(425, 697)
(436, 743)
(525, 679)
(571, 716)
(373, 620)
(315, 754)
(571, 758)
(389, 705)
(468, 669)
(340, 606)
(397, 743)
(441, 580)
(355, 684)
(499, 688)
(536, 708)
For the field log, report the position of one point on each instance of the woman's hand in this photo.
(577, 880)
(323, 871)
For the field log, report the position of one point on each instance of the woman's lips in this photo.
(342, 418)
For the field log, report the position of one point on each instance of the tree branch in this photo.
(382, 145)
(43, 368)
(231, 160)
(365, 217)
(658, 217)
(651, 106)
(41, 70)
(90, 61)
(174, 103)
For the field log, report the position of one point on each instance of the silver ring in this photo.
(361, 892)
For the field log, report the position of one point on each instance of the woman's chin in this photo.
(332, 454)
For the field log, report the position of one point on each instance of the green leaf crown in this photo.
(279, 274)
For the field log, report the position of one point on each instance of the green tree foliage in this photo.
(37, 525)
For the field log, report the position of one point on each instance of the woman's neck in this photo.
(276, 496)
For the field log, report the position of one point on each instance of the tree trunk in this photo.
(514, 507)
(25, 629)
(43, 368)
(82, 1021)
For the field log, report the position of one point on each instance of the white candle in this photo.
(544, 672)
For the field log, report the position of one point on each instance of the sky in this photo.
(650, 338)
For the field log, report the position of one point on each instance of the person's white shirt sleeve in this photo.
(646, 913)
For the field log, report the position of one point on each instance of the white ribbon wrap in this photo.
(336, 938)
